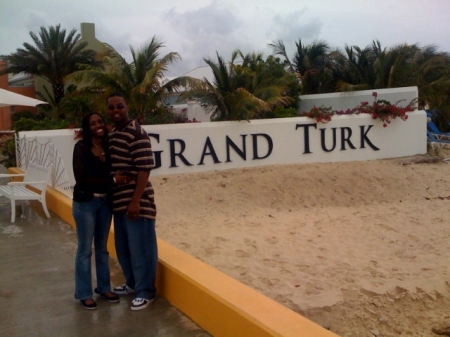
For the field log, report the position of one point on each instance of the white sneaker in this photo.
(140, 303)
(123, 290)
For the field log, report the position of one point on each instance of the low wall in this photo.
(349, 100)
(197, 147)
(222, 305)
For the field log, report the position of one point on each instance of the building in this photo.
(193, 110)
(22, 84)
(29, 85)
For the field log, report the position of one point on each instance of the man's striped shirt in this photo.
(131, 152)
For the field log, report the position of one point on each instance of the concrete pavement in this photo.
(37, 285)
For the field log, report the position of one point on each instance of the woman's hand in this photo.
(121, 179)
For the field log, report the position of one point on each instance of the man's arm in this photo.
(141, 183)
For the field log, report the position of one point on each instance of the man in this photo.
(133, 204)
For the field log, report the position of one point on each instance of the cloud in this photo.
(34, 19)
(199, 28)
(209, 20)
(198, 34)
(293, 27)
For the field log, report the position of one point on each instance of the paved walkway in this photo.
(37, 286)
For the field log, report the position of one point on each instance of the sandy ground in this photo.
(361, 248)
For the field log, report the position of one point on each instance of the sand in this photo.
(361, 248)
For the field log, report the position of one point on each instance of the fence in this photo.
(30, 150)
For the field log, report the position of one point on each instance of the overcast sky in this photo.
(197, 29)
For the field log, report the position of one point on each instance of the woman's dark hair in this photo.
(86, 130)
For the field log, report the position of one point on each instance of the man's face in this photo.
(117, 109)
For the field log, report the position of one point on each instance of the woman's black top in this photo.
(92, 175)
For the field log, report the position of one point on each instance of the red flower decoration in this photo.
(380, 109)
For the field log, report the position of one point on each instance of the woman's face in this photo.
(97, 126)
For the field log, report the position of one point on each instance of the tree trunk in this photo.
(58, 93)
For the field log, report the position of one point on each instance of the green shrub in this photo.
(282, 112)
(8, 149)
(27, 124)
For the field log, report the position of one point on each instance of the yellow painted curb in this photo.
(222, 305)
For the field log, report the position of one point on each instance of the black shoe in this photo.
(113, 298)
(91, 306)
(123, 290)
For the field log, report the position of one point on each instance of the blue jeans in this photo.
(137, 253)
(93, 221)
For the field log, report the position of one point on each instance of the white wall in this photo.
(202, 140)
(194, 110)
(350, 100)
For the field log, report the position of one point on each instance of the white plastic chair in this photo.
(33, 187)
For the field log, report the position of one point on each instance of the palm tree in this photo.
(393, 67)
(141, 81)
(53, 57)
(269, 81)
(357, 69)
(432, 77)
(242, 89)
(429, 70)
(311, 63)
(431, 74)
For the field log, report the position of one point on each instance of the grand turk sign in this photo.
(200, 147)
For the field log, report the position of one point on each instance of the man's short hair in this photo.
(117, 94)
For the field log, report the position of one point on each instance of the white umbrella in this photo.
(10, 98)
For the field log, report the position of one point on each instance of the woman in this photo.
(92, 210)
